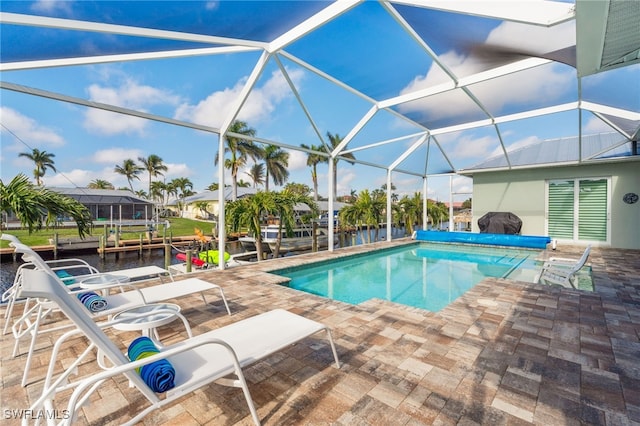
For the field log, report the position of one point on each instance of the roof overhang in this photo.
(608, 35)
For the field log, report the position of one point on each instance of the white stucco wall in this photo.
(522, 192)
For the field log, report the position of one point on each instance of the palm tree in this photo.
(243, 184)
(286, 202)
(170, 189)
(394, 196)
(240, 149)
(298, 188)
(335, 140)
(247, 212)
(351, 215)
(256, 173)
(43, 161)
(203, 206)
(276, 160)
(214, 186)
(130, 170)
(412, 210)
(140, 193)
(366, 210)
(158, 191)
(183, 188)
(437, 212)
(313, 160)
(34, 205)
(154, 166)
(100, 184)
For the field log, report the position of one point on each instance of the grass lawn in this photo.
(179, 227)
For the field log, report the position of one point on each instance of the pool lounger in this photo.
(214, 356)
(528, 241)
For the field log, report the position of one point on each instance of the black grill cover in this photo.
(500, 223)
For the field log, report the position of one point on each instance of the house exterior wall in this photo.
(522, 192)
(192, 212)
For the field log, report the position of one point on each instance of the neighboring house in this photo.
(110, 204)
(573, 202)
(323, 208)
(211, 198)
(190, 211)
(457, 205)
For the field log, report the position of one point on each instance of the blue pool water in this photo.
(426, 275)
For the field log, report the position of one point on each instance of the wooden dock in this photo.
(123, 245)
(11, 250)
(137, 245)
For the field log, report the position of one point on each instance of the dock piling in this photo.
(55, 245)
(101, 250)
(167, 256)
(189, 265)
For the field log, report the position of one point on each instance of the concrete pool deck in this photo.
(506, 352)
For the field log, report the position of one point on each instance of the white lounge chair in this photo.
(562, 271)
(79, 268)
(34, 314)
(198, 361)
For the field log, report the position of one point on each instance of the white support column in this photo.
(222, 232)
(425, 213)
(389, 215)
(451, 203)
(332, 193)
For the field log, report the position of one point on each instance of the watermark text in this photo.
(22, 414)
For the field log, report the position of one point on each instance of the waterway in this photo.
(133, 259)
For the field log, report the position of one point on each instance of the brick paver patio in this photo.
(504, 353)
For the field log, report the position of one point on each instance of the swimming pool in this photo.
(424, 275)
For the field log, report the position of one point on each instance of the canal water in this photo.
(133, 259)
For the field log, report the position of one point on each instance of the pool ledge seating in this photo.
(528, 241)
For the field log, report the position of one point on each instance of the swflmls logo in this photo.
(10, 414)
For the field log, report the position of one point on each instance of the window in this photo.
(578, 209)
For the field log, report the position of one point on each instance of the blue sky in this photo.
(89, 143)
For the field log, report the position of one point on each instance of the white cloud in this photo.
(260, 104)
(28, 131)
(464, 146)
(595, 125)
(76, 177)
(115, 156)
(177, 170)
(530, 38)
(82, 178)
(48, 6)
(540, 84)
(344, 182)
(212, 5)
(408, 185)
(129, 94)
(516, 145)
(110, 123)
(297, 160)
(462, 184)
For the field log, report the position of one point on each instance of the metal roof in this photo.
(423, 79)
(101, 196)
(557, 152)
(213, 195)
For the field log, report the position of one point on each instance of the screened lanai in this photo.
(415, 88)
